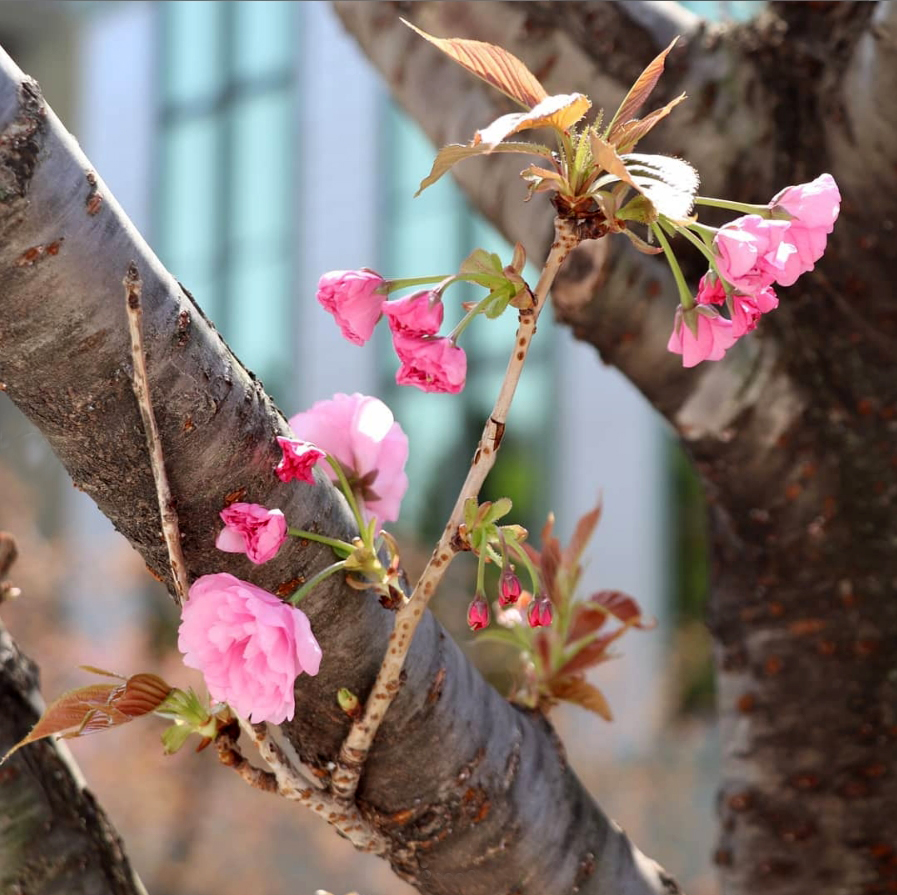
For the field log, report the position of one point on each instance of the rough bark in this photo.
(54, 837)
(473, 795)
(793, 434)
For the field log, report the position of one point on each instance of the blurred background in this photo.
(254, 148)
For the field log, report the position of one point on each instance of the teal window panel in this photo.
(194, 36)
(266, 38)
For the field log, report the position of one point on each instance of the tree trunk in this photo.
(472, 794)
(793, 434)
(54, 837)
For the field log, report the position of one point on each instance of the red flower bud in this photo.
(539, 614)
(509, 588)
(478, 614)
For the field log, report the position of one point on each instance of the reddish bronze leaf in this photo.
(592, 654)
(621, 606)
(638, 93)
(585, 527)
(629, 133)
(494, 65)
(581, 692)
(560, 112)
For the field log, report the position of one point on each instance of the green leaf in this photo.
(174, 737)
(450, 155)
(499, 509)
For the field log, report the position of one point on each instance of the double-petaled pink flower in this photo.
(700, 333)
(299, 458)
(419, 314)
(252, 529)
(431, 363)
(352, 297)
(752, 252)
(249, 646)
(362, 434)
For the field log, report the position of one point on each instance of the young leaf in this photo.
(621, 606)
(580, 692)
(494, 65)
(450, 155)
(98, 707)
(582, 534)
(592, 653)
(638, 93)
(560, 112)
(631, 132)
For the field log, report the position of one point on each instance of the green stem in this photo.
(346, 488)
(339, 547)
(685, 296)
(763, 210)
(465, 321)
(481, 572)
(396, 285)
(303, 591)
(520, 553)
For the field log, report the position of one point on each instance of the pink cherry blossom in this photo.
(430, 364)
(711, 339)
(252, 529)
(249, 646)
(752, 252)
(415, 315)
(352, 297)
(299, 458)
(362, 434)
(745, 309)
(509, 588)
(478, 614)
(814, 208)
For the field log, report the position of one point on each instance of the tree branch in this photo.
(471, 794)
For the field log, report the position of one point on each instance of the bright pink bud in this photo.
(539, 613)
(752, 252)
(814, 208)
(711, 338)
(415, 315)
(747, 310)
(299, 457)
(478, 614)
(430, 364)
(352, 297)
(710, 290)
(509, 588)
(252, 529)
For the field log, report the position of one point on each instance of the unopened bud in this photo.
(348, 702)
(478, 613)
(539, 613)
(509, 588)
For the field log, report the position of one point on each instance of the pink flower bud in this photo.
(352, 297)
(509, 588)
(252, 529)
(711, 338)
(814, 208)
(430, 364)
(539, 613)
(299, 458)
(415, 315)
(249, 646)
(478, 613)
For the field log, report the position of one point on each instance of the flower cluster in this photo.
(750, 255)
(428, 361)
(250, 645)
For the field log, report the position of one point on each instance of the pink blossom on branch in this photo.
(252, 529)
(430, 364)
(746, 310)
(419, 314)
(299, 458)
(814, 208)
(711, 338)
(752, 253)
(352, 297)
(478, 614)
(249, 646)
(362, 434)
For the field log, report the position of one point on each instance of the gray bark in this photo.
(793, 434)
(473, 795)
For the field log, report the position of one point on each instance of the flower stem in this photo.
(763, 210)
(353, 753)
(346, 488)
(465, 322)
(312, 582)
(685, 296)
(341, 548)
(396, 285)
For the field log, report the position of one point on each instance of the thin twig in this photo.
(288, 782)
(355, 748)
(140, 381)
